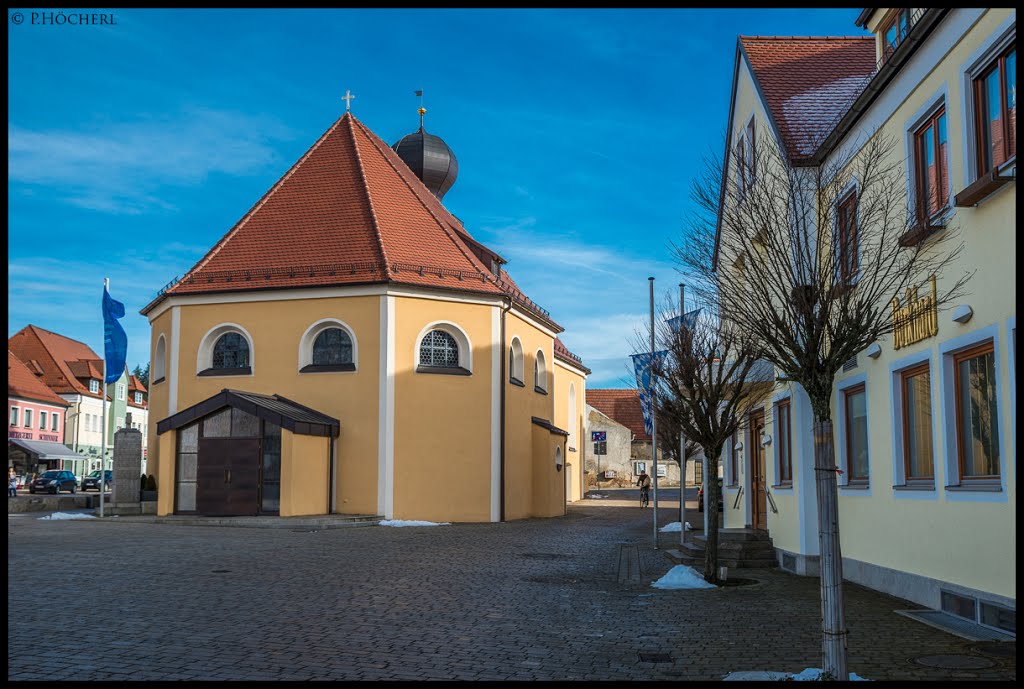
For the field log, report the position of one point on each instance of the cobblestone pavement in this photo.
(535, 599)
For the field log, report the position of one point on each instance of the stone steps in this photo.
(737, 548)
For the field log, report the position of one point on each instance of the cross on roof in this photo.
(348, 100)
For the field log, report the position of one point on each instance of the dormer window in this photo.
(893, 30)
(94, 385)
(138, 398)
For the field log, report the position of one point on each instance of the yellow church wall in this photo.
(564, 378)
(167, 443)
(547, 489)
(276, 328)
(304, 472)
(157, 393)
(442, 423)
(521, 404)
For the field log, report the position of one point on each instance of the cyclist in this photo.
(644, 481)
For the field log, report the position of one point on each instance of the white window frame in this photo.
(639, 467)
(778, 486)
(55, 426)
(312, 332)
(461, 339)
(121, 391)
(26, 417)
(204, 357)
(896, 369)
(15, 415)
(518, 359)
(996, 43)
(138, 397)
(947, 420)
(94, 386)
(573, 421)
(841, 451)
(540, 371)
(853, 187)
(159, 372)
(43, 419)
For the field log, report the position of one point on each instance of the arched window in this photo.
(159, 360)
(332, 346)
(540, 373)
(231, 351)
(558, 458)
(515, 362)
(573, 421)
(438, 348)
(328, 345)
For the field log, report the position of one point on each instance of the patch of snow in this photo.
(411, 522)
(812, 674)
(809, 674)
(674, 526)
(68, 515)
(682, 577)
(689, 526)
(595, 496)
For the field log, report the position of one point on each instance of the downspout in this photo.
(504, 386)
(330, 480)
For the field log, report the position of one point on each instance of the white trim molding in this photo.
(204, 357)
(386, 411)
(172, 379)
(314, 330)
(496, 388)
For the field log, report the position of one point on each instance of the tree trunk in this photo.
(711, 498)
(833, 612)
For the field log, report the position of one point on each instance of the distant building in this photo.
(74, 372)
(626, 447)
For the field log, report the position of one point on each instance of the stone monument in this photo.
(127, 469)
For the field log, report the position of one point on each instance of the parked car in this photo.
(53, 481)
(92, 480)
(700, 497)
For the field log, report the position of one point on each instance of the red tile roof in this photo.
(349, 211)
(23, 383)
(622, 406)
(809, 82)
(57, 356)
(562, 352)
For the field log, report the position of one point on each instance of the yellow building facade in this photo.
(363, 345)
(924, 419)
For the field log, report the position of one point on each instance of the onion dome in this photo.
(429, 158)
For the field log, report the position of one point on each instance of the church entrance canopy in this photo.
(242, 453)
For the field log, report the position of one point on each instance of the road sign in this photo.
(598, 436)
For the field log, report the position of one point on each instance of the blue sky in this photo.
(133, 148)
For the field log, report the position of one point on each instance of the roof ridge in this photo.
(809, 38)
(369, 197)
(259, 204)
(37, 327)
(443, 225)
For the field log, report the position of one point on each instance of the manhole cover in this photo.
(655, 657)
(954, 662)
(1000, 649)
(546, 556)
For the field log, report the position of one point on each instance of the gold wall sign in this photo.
(916, 321)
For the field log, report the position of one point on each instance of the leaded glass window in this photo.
(332, 346)
(231, 351)
(438, 348)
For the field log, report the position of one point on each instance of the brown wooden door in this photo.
(759, 499)
(228, 476)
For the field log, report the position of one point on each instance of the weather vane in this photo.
(348, 100)
(422, 111)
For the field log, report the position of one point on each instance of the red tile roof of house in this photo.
(809, 82)
(135, 385)
(23, 383)
(57, 356)
(348, 212)
(562, 352)
(622, 406)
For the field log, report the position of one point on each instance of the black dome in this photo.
(430, 159)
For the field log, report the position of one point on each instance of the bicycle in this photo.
(645, 497)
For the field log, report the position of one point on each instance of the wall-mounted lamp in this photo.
(874, 351)
(738, 446)
(962, 313)
(766, 439)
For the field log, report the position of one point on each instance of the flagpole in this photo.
(654, 421)
(682, 442)
(103, 401)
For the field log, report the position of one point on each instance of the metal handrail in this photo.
(770, 500)
(736, 502)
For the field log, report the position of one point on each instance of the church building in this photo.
(348, 347)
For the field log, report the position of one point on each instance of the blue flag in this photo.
(115, 341)
(642, 367)
(687, 321)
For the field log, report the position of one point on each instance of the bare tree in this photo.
(709, 379)
(807, 262)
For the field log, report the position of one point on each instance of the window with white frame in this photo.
(121, 391)
(746, 158)
(733, 457)
(138, 398)
(28, 418)
(918, 453)
(42, 420)
(855, 420)
(515, 362)
(995, 110)
(94, 385)
(444, 348)
(784, 443)
(847, 239)
(14, 416)
(53, 419)
(540, 373)
(931, 166)
(159, 360)
(977, 416)
(225, 350)
(438, 348)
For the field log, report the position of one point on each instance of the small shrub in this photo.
(151, 482)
